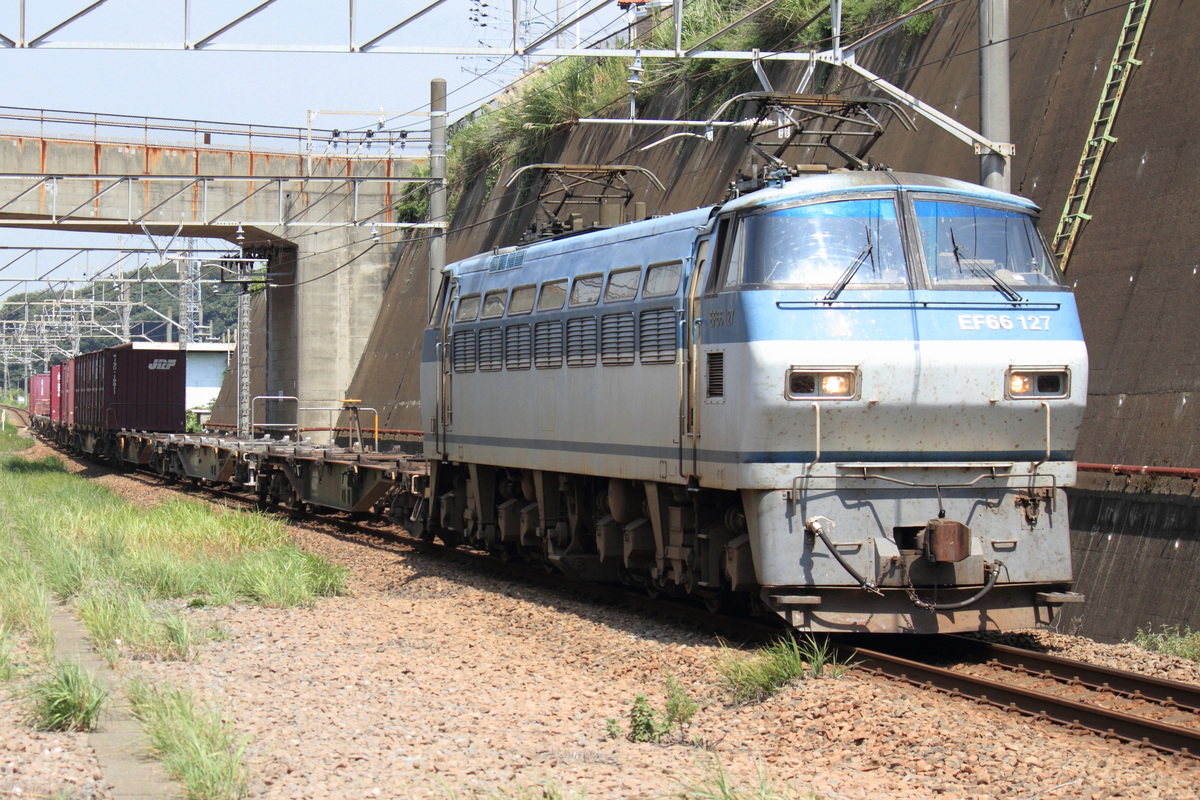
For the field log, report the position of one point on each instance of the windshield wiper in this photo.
(848, 275)
(1002, 287)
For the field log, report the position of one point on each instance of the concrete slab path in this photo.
(118, 743)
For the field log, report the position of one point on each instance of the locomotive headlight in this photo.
(839, 383)
(1019, 384)
(1037, 383)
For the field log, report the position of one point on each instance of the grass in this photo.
(25, 599)
(10, 441)
(1171, 640)
(129, 572)
(84, 541)
(757, 677)
(196, 745)
(121, 622)
(8, 665)
(66, 698)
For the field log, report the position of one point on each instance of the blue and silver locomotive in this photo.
(851, 399)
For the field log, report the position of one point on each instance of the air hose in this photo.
(993, 574)
(815, 526)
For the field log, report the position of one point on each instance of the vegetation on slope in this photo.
(556, 95)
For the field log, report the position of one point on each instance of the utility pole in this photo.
(994, 94)
(437, 186)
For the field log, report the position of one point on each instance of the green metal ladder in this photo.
(1100, 136)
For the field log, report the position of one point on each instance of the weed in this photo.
(612, 728)
(1171, 640)
(716, 785)
(754, 678)
(8, 667)
(67, 699)
(197, 746)
(122, 623)
(643, 723)
(680, 708)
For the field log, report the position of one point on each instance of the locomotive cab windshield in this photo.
(858, 243)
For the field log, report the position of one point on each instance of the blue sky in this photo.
(276, 88)
(257, 85)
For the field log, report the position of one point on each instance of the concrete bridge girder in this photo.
(312, 215)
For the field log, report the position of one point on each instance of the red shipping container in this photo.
(39, 394)
(56, 393)
(126, 388)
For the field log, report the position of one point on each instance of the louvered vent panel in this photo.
(617, 344)
(548, 345)
(657, 336)
(506, 261)
(581, 342)
(463, 351)
(491, 350)
(518, 347)
(716, 375)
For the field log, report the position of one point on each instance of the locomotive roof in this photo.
(795, 189)
(834, 182)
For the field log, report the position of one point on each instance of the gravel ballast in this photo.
(429, 680)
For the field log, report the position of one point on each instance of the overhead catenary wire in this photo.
(666, 82)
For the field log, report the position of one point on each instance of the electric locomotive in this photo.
(849, 399)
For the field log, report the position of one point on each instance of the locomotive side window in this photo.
(554, 294)
(981, 246)
(622, 284)
(521, 301)
(586, 290)
(662, 280)
(720, 252)
(844, 243)
(468, 309)
(493, 304)
(731, 274)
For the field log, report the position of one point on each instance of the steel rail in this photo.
(1106, 722)
(1104, 679)
(22, 414)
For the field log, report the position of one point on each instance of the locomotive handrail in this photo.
(1051, 481)
(1046, 405)
(945, 305)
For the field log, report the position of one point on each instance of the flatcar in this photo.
(848, 399)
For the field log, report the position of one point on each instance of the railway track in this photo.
(1140, 709)
(1134, 708)
(16, 415)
